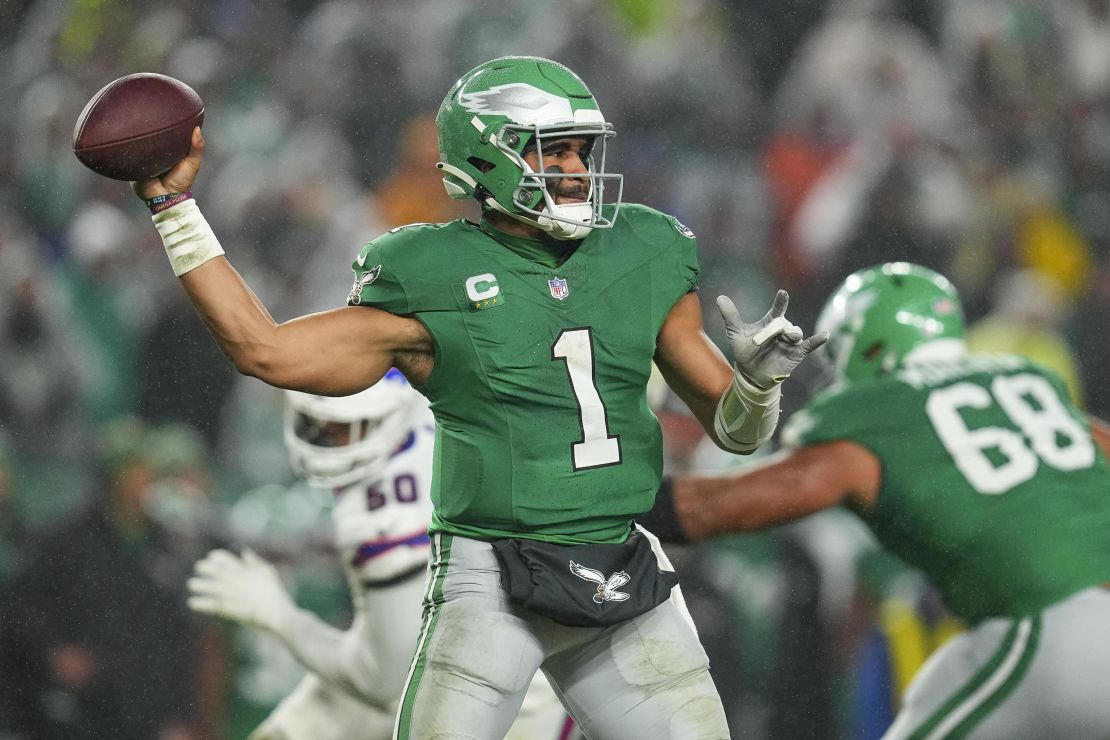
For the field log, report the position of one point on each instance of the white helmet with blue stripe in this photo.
(335, 441)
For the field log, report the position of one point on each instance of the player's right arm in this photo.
(786, 486)
(334, 353)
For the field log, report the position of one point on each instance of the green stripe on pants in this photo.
(433, 598)
(988, 688)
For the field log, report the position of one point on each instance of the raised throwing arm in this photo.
(336, 352)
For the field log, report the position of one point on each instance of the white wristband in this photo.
(187, 237)
(746, 415)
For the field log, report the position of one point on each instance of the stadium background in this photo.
(800, 139)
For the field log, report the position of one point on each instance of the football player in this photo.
(374, 451)
(532, 332)
(977, 470)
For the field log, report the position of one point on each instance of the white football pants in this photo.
(389, 621)
(647, 678)
(1044, 676)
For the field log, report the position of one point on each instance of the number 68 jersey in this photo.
(381, 523)
(539, 385)
(991, 482)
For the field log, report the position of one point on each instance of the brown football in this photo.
(137, 127)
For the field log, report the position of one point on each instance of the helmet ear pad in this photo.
(498, 175)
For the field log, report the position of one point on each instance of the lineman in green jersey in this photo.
(532, 333)
(975, 469)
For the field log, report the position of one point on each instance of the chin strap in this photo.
(557, 229)
(581, 213)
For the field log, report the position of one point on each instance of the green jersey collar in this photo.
(544, 250)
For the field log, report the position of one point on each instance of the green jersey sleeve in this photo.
(675, 243)
(375, 284)
(402, 270)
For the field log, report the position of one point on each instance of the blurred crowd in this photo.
(799, 139)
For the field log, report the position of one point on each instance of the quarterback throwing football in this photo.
(532, 333)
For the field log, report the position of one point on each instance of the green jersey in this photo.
(539, 386)
(991, 483)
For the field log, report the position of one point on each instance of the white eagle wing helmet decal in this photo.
(521, 102)
(606, 587)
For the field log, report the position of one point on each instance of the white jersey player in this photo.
(374, 450)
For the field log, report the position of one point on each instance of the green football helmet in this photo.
(504, 107)
(882, 315)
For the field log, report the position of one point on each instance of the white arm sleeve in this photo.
(746, 415)
(371, 659)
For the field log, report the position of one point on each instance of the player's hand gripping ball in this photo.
(137, 127)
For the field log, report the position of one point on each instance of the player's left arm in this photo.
(786, 486)
(738, 405)
(690, 363)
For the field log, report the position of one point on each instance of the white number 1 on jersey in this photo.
(597, 448)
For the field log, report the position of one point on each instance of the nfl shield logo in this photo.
(559, 288)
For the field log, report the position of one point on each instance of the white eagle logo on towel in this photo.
(606, 587)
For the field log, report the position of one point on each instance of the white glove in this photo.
(767, 351)
(244, 589)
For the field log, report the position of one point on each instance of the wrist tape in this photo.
(746, 414)
(187, 237)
